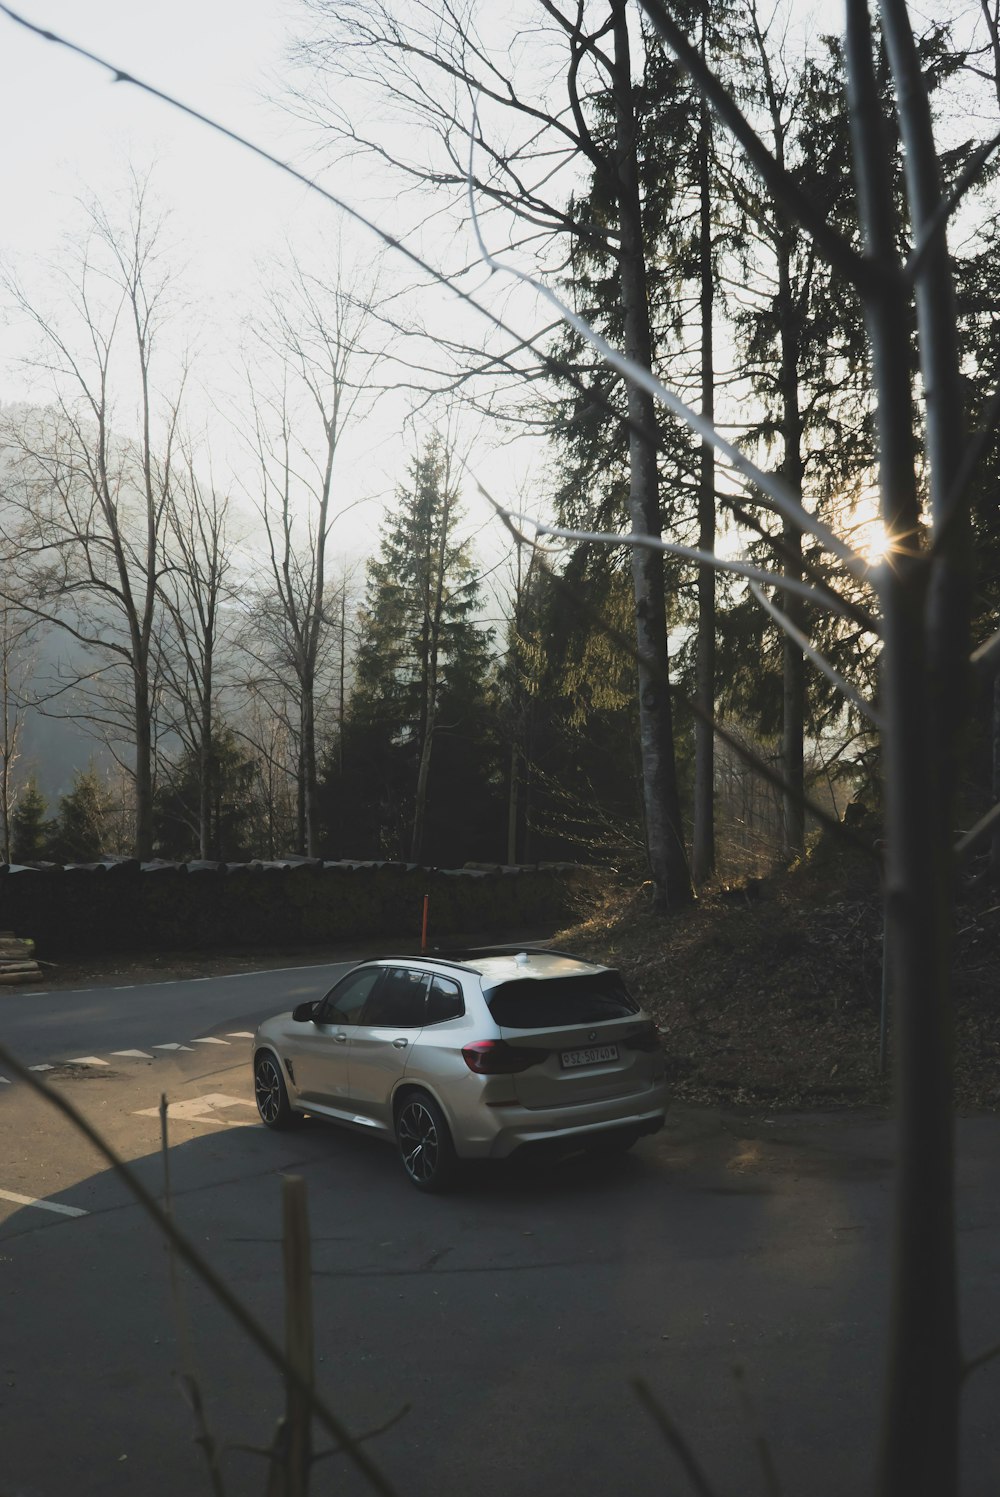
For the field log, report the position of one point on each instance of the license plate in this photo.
(594, 1055)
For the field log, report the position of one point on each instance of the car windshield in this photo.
(543, 1003)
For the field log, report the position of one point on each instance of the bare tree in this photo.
(435, 70)
(196, 563)
(91, 478)
(17, 665)
(316, 343)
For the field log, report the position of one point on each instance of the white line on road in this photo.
(133, 1054)
(40, 1068)
(10, 1195)
(4, 1081)
(241, 1034)
(209, 1041)
(171, 1046)
(86, 1060)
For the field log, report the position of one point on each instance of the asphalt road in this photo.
(510, 1318)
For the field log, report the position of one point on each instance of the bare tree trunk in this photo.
(664, 833)
(310, 794)
(512, 795)
(703, 842)
(995, 839)
(423, 775)
(793, 661)
(143, 767)
(925, 649)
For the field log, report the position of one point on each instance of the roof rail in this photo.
(508, 949)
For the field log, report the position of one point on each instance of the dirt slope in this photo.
(770, 995)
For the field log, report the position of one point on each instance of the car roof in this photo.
(512, 964)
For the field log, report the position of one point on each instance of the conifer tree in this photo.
(418, 727)
(30, 831)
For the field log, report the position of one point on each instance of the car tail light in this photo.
(646, 1037)
(497, 1058)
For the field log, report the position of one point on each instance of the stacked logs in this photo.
(17, 959)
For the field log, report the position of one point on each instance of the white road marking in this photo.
(209, 1041)
(133, 1054)
(4, 1081)
(10, 1195)
(240, 1034)
(203, 1110)
(40, 1068)
(171, 1046)
(86, 1060)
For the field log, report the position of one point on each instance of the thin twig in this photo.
(818, 659)
(188, 1378)
(779, 495)
(974, 1363)
(826, 599)
(673, 1437)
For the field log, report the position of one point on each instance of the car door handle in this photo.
(400, 1044)
(341, 1038)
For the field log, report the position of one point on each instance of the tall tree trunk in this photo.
(143, 769)
(703, 843)
(664, 833)
(423, 776)
(995, 839)
(793, 661)
(924, 674)
(310, 797)
(512, 795)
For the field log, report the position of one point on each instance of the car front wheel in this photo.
(272, 1097)
(425, 1145)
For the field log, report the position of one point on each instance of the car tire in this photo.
(425, 1144)
(272, 1096)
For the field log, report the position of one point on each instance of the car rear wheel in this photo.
(425, 1145)
(272, 1097)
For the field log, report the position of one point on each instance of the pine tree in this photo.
(418, 756)
(30, 832)
(81, 826)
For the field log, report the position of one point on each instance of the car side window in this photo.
(398, 1002)
(444, 1001)
(343, 1004)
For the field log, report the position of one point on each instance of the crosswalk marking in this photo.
(204, 1110)
(240, 1034)
(210, 1041)
(11, 1195)
(172, 1045)
(133, 1054)
(86, 1060)
(40, 1068)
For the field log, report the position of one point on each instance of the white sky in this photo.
(71, 132)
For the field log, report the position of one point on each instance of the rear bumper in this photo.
(515, 1128)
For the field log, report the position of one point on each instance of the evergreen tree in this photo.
(418, 754)
(30, 832)
(179, 803)
(79, 833)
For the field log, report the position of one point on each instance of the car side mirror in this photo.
(303, 1012)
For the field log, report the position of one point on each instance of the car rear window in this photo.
(543, 1003)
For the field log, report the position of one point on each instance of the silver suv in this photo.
(471, 1056)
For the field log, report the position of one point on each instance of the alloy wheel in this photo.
(418, 1141)
(267, 1085)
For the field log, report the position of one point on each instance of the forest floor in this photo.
(770, 994)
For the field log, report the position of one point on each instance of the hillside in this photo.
(770, 995)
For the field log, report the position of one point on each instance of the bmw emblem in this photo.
(592, 1035)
